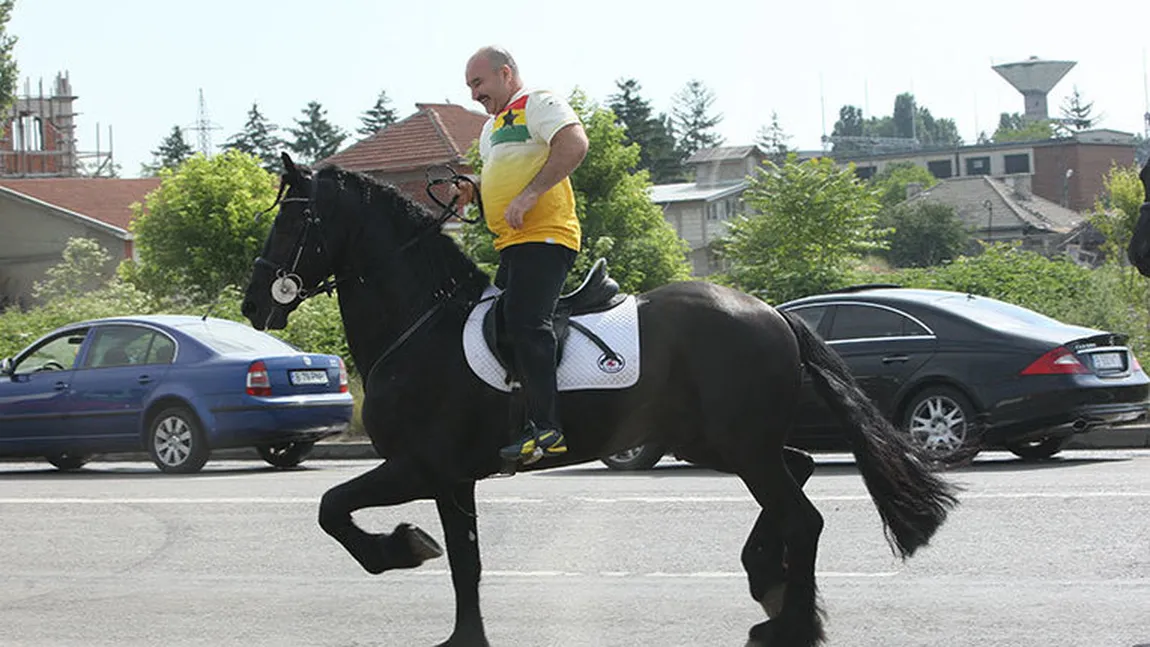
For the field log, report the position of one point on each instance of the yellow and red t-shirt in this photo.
(514, 145)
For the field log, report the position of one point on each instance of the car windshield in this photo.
(226, 337)
(996, 314)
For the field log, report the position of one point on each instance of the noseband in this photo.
(288, 286)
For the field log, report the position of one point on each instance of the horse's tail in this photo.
(912, 501)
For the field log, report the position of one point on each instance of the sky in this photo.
(138, 66)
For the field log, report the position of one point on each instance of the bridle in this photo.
(287, 287)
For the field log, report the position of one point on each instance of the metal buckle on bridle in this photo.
(288, 286)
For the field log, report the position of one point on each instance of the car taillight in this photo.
(1059, 361)
(1134, 365)
(258, 382)
(342, 377)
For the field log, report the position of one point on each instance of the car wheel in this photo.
(176, 442)
(1036, 450)
(68, 462)
(941, 422)
(287, 454)
(642, 457)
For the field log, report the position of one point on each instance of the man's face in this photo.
(490, 87)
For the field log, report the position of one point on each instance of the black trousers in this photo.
(532, 276)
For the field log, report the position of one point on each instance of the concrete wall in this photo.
(32, 240)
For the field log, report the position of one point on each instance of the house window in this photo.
(28, 133)
(864, 172)
(978, 166)
(941, 169)
(1019, 163)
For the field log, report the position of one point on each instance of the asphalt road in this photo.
(1051, 554)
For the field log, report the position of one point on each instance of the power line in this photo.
(204, 127)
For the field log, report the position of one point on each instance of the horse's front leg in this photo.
(393, 482)
(457, 512)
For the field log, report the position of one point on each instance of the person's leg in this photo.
(535, 273)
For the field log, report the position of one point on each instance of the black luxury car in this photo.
(961, 371)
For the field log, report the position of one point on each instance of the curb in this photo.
(1126, 437)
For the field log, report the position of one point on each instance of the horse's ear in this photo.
(289, 166)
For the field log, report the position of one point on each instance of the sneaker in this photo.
(533, 446)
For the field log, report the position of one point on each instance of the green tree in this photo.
(922, 234)
(904, 116)
(8, 68)
(849, 124)
(174, 150)
(378, 117)
(198, 231)
(1116, 211)
(773, 140)
(812, 222)
(84, 268)
(892, 183)
(657, 153)
(1077, 114)
(315, 137)
(693, 120)
(258, 138)
(1012, 127)
(619, 221)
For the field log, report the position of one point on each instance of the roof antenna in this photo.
(212, 305)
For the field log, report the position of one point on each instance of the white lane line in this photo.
(701, 575)
(550, 500)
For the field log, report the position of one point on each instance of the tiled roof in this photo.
(105, 199)
(1010, 209)
(438, 133)
(718, 154)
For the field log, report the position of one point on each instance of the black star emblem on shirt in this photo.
(508, 119)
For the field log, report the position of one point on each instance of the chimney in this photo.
(1020, 186)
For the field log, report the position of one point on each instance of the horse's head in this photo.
(296, 259)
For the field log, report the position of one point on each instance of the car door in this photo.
(882, 345)
(122, 366)
(815, 426)
(34, 396)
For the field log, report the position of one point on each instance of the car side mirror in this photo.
(6, 366)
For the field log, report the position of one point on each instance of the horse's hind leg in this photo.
(457, 512)
(791, 514)
(393, 482)
(764, 555)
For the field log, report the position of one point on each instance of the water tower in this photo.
(1034, 78)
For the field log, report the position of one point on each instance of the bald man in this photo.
(530, 146)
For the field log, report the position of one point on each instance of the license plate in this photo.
(1107, 361)
(299, 378)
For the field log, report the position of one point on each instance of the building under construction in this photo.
(39, 137)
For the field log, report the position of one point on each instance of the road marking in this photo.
(701, 575)
(548, 500)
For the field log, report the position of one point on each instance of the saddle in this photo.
(597, 293)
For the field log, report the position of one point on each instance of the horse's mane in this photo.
(382, 203)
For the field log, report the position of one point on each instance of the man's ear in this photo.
(290, 169)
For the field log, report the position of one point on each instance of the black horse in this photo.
(721, 373)
(1138, 251)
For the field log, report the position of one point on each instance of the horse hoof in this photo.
(422, 546)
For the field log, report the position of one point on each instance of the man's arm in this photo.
(568, 148)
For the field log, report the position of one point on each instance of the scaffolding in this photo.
(39, 137)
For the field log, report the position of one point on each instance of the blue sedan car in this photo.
(175, 386)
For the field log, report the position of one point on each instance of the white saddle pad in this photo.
(583, 366)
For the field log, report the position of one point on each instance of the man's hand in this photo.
(518, 208)
(1145, 176)
(465, 191)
